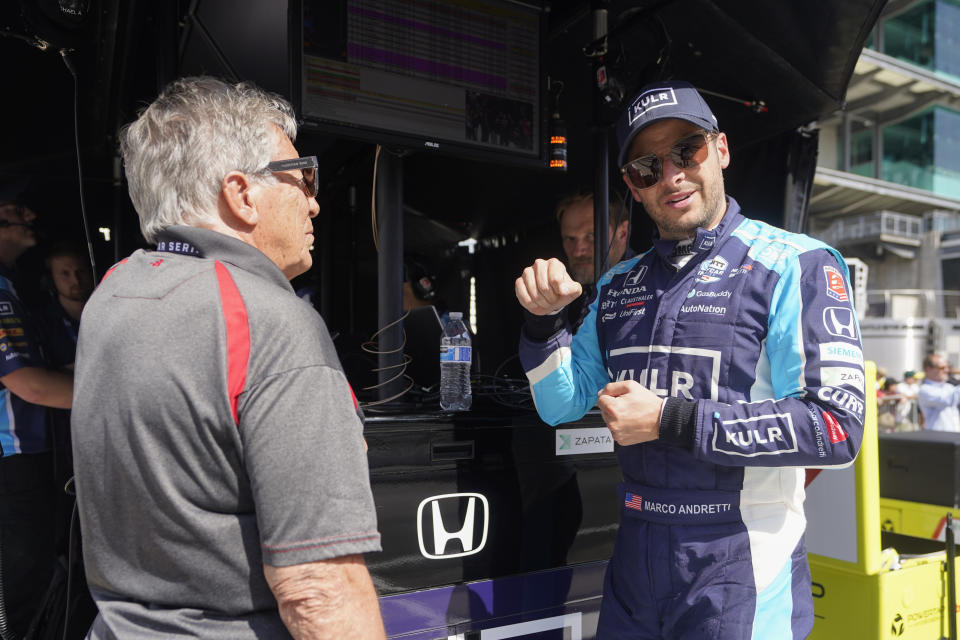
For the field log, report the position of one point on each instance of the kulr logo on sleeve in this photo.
(766, 435)
(835, 286)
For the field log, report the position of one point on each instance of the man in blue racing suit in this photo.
(724, 361)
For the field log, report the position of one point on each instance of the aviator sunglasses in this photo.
(307, 166)
(646, 171)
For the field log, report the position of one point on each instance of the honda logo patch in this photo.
(634, 277)
(452, 525)
(840, 322)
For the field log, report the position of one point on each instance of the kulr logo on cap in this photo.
(658, 101)
(649, 100)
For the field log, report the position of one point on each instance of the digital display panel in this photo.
(448, 75)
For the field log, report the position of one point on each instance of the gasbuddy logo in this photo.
(580, 441)
(438, 517)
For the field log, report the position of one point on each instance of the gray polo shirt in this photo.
(213, 432)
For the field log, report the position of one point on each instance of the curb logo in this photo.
(564, 441)
(896, 628)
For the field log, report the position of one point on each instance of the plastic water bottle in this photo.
(455, 356)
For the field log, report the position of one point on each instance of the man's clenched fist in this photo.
(545, 287)
(630, 411)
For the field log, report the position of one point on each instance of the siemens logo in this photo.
(841, 352)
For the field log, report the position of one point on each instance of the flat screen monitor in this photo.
(456, 76)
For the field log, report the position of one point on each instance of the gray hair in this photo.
(177, 153)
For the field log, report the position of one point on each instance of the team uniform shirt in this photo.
(938, 402)
(59, 333)
(23, 427)
(214, 432)
(757, 327)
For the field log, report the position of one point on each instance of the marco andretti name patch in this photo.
(671, 506)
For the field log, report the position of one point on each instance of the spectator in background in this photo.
(954, 377)
(937, 399)
(27, 474)
(575, 215)
(881, 378)
(910, 386)
(893, 410)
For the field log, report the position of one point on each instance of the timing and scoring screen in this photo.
(442, 72)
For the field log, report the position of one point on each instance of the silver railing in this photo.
(870, 226)
(897, 413)
(912, 303)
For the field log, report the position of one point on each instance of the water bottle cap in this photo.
(456, 315)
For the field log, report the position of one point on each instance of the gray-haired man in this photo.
(221, 472)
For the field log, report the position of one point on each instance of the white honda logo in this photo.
(452, 516)
(633, 278)
(840, 322)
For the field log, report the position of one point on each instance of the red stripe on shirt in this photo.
(238, 336)
(112, 269)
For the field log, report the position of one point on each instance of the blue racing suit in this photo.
(756, 345)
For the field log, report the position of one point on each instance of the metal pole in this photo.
(601, 205)
(601, 184)
(390, 273)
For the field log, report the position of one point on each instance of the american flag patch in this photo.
(633, 501)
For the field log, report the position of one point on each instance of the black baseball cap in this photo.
(659, 101)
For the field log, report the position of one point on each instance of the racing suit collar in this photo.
(706, 239)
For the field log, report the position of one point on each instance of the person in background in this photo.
(910, 386)
(71, 282)
(893, 410)
(937, 399)
(575, 215)
(881, 378)
(221, 473)
(723, 361)
(28, 491)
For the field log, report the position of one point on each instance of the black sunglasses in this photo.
(646, 171)
(307, 166)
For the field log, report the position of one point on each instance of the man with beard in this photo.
(723, 361)
(575, 215)
(71, 283)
